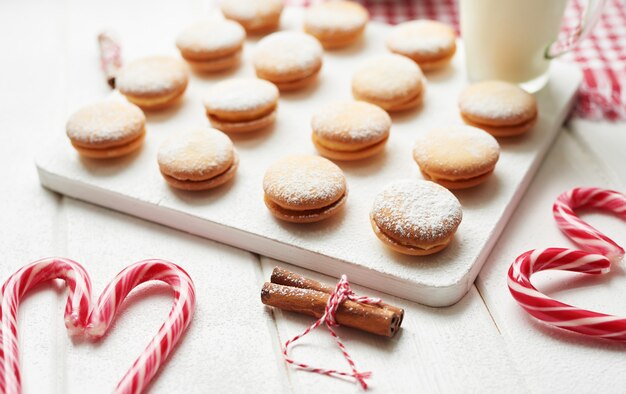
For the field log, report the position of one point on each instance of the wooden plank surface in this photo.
(234, 342)
(453, 349)
(552, 360)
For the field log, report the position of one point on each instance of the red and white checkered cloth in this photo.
(602, 56)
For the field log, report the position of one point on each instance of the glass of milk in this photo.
(514, 40)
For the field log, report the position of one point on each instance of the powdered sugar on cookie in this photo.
(387, 77)
(497, 101)
(421, 36)
(420, 210)
(196, 152)
(287, 51)
(304, 182)
(241, 94)
(351, 121)
(107, 121)
(211, 35)
(153, 75)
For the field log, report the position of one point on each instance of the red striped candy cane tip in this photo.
(582, 233)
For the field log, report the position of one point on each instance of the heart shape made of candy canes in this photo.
(600, 252)
(82, 317)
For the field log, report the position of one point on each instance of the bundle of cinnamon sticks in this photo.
(293, 292)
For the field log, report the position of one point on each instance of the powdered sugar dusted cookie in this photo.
(304, 189)
(289, 59)
(336, 23)
(254, 15)
(107, 129)
(197, 159)
(392, 82)
(350, 130)
(212, 44)
(415, 217)
(241, 105)
(500, 108)
(153, 82)
(429, 43)
(456, 157)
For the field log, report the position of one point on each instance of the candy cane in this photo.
(579, 231)
(600, 251)
(148, 363)
(95, 324)
(18, 284)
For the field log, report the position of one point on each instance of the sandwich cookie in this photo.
(429, 43)
(392, 82)
(197, 159)
(415, 217)
(304, 189)
(255, 16)
(500, 108)
(289, 59)
(457, 157)
(212, 45)
(350, 130)
(336, 23)
(241, 105)
(107, 129)
(153, 82)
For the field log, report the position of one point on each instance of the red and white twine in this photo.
(600, 252)
(341, 293)
(81, 317)
(110, 56)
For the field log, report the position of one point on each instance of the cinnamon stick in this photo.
(285, 277)
(369, 318)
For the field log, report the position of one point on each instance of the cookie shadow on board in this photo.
(441, 75)
(159, 115)
(328, 225)
(305, 91)
(216, 76)
(364, 167)
(252, 139)
(348, 51)
(445, 258)
(479, 195)
(200, 198)
(406, 115)
(109, 167)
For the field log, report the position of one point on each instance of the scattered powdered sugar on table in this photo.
(287, 51)
(387, 76)
(336, 16)
(496, 100)
(417, 209)
(105, 121)
(198, 151)
(421, 36)
(351, 121)
(297, 180)
(241, 94)
(152, 75)
(211, 35)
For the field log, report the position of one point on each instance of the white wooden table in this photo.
(484, 343)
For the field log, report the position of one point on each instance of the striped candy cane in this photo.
(79, 318)
(145, 367)
(76, 309)
(600, 251)
(586, 236)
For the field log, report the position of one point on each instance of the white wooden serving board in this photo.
(235, 213)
